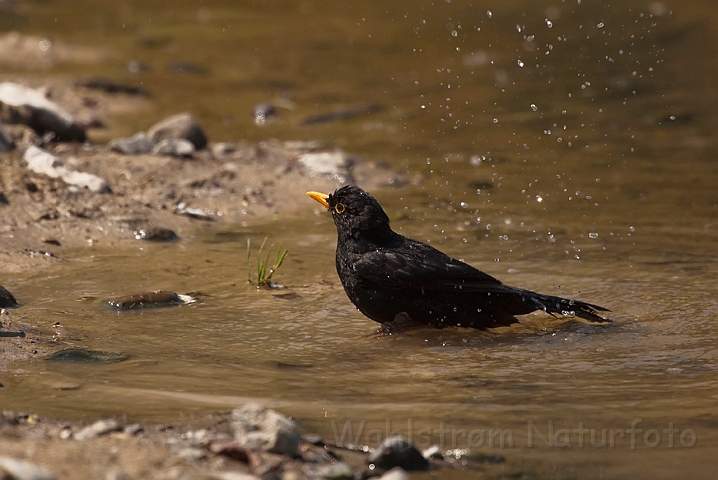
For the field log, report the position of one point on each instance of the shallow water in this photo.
(587, 172)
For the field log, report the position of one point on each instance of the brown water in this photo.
(564, 147)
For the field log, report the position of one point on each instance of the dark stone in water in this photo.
(153, 299)
(80, 355)
(396, 451)
(106, 85)
(6, 299)
(340, 115)
(156, 234)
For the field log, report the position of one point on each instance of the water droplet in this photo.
(496, 120)
(534, 107)
(464, 205)
(549, 23)
(489, 14)
(454, 33)
(520, 63)
(539, 199)
(593, 235)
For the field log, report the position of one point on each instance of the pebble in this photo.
(174, 147)
(224, 148)
(181, 126)
(6, 299)
(97, 429)
(156, 234)
(396, 473)
(137, 144)
(150, 299)
(192, 454)
(13, 469)
(80, 355)
(396, 451)
(44, 162)
(334, 471)
(133, 429)
(30, 107)
(260, 428)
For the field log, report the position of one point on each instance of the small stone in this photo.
(396, 473)
(97, 429)
(192, 454)
(80, 355)
(13, 469)
(3, 199)
(396, 451)
(224, 148)
(174, 147)
(6, 299)
(133, 429)
(156, 234)
(260, 428)
(331, 165)
(27, 106)
(334, 471)
(149, 299)
(138, 144)
(182, 126)
(45, 163)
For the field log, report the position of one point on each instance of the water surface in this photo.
(563, 147)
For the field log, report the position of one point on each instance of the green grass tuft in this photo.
(264, 275)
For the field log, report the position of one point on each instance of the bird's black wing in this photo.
(417, 265)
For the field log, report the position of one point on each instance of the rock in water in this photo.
(260, 428)
(182, 126)
(396, 451)
(44, 162)
(6, 299)
(149, 299)
(19, 104)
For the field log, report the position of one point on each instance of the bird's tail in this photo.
(569, 308)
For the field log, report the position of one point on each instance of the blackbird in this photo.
(388, 276)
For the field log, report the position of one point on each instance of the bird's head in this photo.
(355, 212)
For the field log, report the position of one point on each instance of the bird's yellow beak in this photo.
(320, 197)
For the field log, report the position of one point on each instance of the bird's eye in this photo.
(339, 208)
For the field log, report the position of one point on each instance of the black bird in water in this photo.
(388, 276)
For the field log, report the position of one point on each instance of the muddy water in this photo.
(565, 148)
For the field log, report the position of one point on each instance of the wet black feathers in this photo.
(386, 274)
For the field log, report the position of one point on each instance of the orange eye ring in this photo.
(339, 208)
